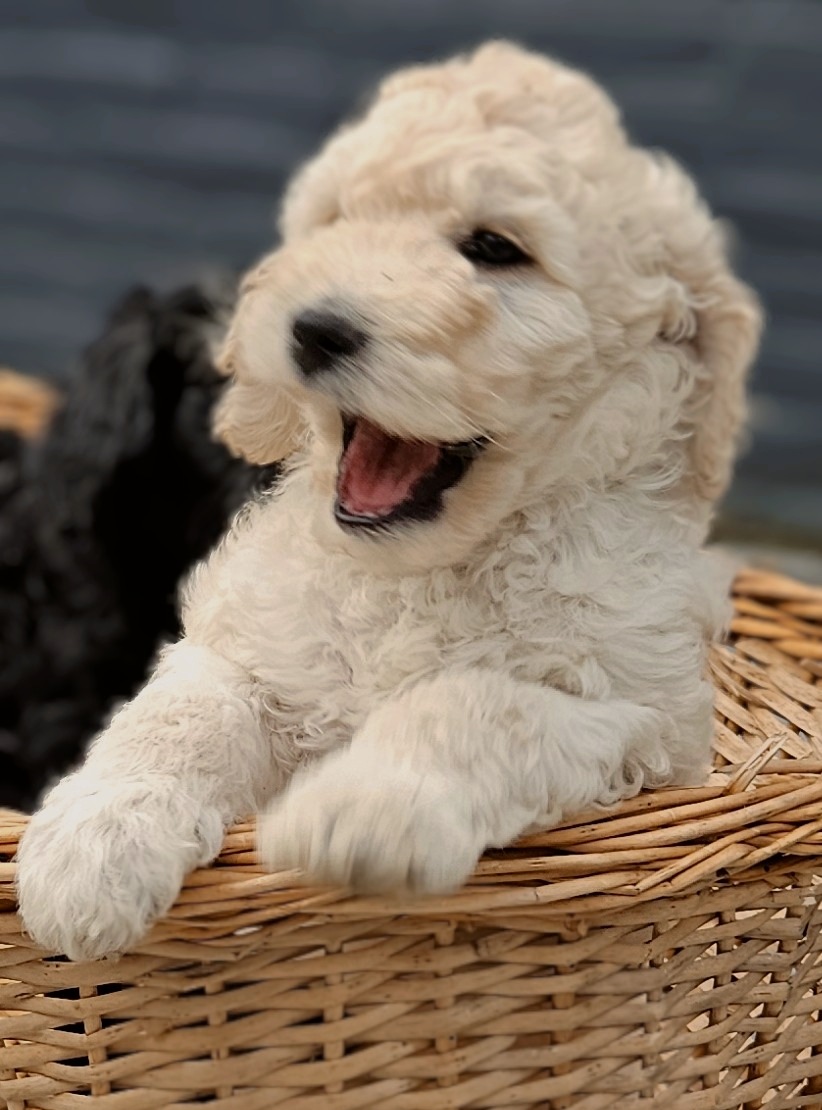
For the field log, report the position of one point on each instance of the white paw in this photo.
(96, 867)
(351, 823)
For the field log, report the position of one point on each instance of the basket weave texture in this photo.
(26, 404)
(666, 953)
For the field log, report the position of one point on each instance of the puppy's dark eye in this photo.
(489, 248)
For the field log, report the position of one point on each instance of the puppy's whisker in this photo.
(496, 443)
(457, 422)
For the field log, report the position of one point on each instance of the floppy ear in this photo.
(728, 326)
(258, 423)
(703, 311)
(716, 319)
(255, 420)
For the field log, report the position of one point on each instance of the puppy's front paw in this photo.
(95, 868)
(375, 829)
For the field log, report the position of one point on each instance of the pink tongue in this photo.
(379, 472)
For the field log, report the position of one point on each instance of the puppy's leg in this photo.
(457, 764)
(108, 850)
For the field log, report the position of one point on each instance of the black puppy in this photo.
(98, 523)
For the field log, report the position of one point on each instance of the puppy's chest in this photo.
(363, 645)
(358, 649)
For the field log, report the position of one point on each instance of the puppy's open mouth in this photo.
(383, 479)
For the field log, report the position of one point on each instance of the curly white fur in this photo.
(397, 703)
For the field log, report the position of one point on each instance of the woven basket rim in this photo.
(27, 404)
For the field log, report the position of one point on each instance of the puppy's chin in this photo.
(405, 549)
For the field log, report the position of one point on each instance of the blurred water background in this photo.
(147, 140)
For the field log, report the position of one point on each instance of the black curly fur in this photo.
(99, 521)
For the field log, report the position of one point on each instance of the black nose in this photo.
(322, 338)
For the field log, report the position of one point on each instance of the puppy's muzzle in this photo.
(322, 339)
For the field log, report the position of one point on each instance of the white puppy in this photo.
(506, 356)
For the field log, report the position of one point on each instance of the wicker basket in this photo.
(666, 954)
(26, 404)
